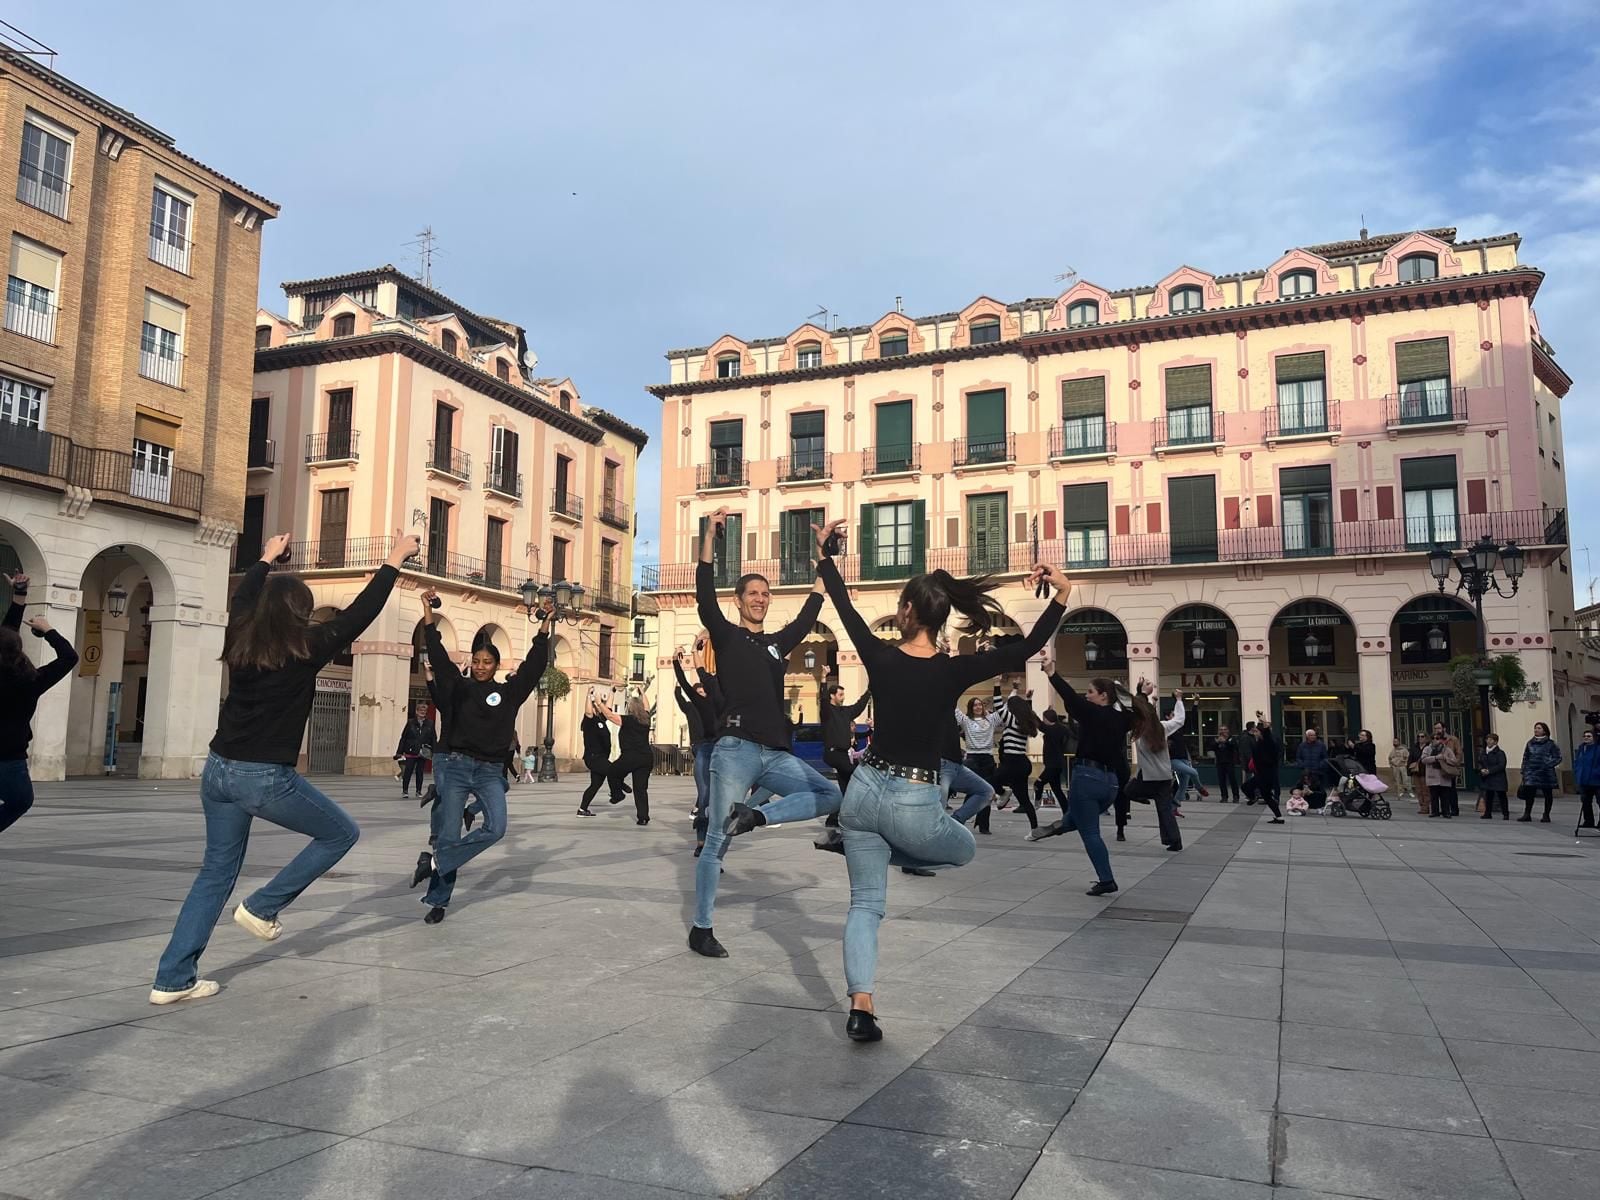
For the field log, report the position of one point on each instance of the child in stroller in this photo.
(1357, 791)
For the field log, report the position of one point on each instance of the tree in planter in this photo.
(1506, 682)
(555, 685)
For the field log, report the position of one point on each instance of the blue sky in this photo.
(630, 177)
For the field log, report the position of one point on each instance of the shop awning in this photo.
(1092, 621)
(1310, 614)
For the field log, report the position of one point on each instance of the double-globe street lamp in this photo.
(1475, 571)
(565, 600)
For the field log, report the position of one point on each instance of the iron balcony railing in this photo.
(262, 454)
(1197, 426)
(136, 476)
(712, 476)
(34, 450)
(650, 577)
(1434, 402)
(337, 445)
(169, 249)
(567, 503)
(804, 466)
(43, 189)
(502, 482)
(32, 319)
(613, 596)
(1307, 417)
(1083, 437)
(365, 554)
(161, 368)
(614, 512)
(447, 460)
(973, 452)
(894, 459)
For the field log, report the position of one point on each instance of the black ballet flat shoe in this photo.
(832, 842)
(435, 915)
(1175, 849)
(1121, 837)
(424, 868)
(1545, 820)
(1275, 821)
(703, 941)
(699, 848)
(922, 872)
(862, 1026)
(742, 819)
(1524, 819)
(641, 820)
(627, 789)
(614, 798)
(1101, 889)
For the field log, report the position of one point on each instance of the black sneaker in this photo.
(862, 1027)
(742, 819)
(1101, 889)
(1275, 821)
(1121, 837)
(424, 868)
(832, 841)
(583, 811)
(435, 915)
(703, 941)
(920, 871)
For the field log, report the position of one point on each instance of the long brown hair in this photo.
(15, 665)
(1147, 723)
(934, 595)
(276, 631)
(1022, 716)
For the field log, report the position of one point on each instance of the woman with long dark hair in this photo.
(634, 756)
(1540, 758)
(1018, 723)
(1154, 778)
(273, 652)
(894, 810)
(21, 685)
(1098, 771)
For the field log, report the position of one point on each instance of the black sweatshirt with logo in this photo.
(483, 716)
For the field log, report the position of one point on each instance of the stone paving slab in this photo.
(1309, 1012)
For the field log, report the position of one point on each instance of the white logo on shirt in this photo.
(492, 699)
(773, 650)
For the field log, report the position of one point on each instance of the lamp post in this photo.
(1475, 571)
(564, 601)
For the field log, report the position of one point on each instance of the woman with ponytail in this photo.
(21, 685)
(1154, 777)
(894, 809)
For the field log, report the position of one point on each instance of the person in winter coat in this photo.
(1311, 756)
(1400, 768)
(1415, 768)
(1225, 756)
(1540, 758)
(1492, 778)
(416, 745)
(1586, 769)
(1440, 766)
(1365, 751)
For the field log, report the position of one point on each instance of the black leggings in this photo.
(1050, 777)
(410, 767)
(598, 767)
(639, 768)
(1014, 772)
(1589, 794)
(1549, 799)
(1491, 797)
(839, 760)
(16, 792)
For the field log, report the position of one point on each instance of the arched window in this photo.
(1416, 267)
(263, 337)
(344, 325)
(447, 339)
(1187, 299)
(808, 354)
(502, 369)
(985, 330)
(1297, 283)
(566, 401)
(728, 366)
(1084, 312)
(894, 343)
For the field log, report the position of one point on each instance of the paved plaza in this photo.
(1321, 1009)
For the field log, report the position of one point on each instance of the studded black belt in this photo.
(915, 774)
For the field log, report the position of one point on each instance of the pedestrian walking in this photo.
(1540, 758)
(21, 685)
(1492, 778)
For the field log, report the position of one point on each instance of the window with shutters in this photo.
(1307, 503)
(252, 536)
(727, 453)
(448, 341)
(340, 438)
(45, 172)
(161, 340)
(725, 551)
(893, 435)
(444, 436)
(807, 445)
(985, 331)
(32, 289)
(1086, 531)
(1084, 312)
(894, 344)
(24, 442)
(559, 551)
(1302, 393)
(1188, 405)
(1414, 268)
(797, 543)
(987, 549)
(259, 450)
(1297, 283)
(1422, 370)
(494, 552)
(986, 427)
(1187, 299)
(503, 476)
(438, 536)
(1194, 518)
(333, 528)
(638, 668)
(728, 366)
(1083, 417)
(1428, 489)
(892, 539)
(603, 654)
(808, 355)
(344, 325)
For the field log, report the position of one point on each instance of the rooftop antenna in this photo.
(1363, 227)
(425, 247)
(827, 317)
(1067, 276)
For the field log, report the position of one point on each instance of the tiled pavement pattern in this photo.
(1326, 1008)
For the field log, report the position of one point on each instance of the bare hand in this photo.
(428, 596)
(1054, 576)
(718, 520)
(39, 626)
(276, 545)
(405, 546)
(823, 532)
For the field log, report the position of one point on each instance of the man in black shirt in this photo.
(839, 734)
(1225, 754)
(753, 746)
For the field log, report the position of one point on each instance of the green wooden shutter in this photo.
(1194, 518)
(1429, 359)
(786, 547)
(1298, 368)
(1083, 398)
(894, 433)
(1295, 480)
(986, 417)
(986, 533)
(733, 548)
(1188, 387)
(919, 537)
(1416, 473)
(807, 424)
(1083, 505)
(727, 433)
(866, 541)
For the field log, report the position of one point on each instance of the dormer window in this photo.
(447, 339)
(1187, 299)
(728, 366)
(1084, 312)
(566, 401)
(502, 370)
(1414, 268)
(985, 331)
(344, 325)
(808, 355)
(1297, 283)
(263, 337)
(894, 344)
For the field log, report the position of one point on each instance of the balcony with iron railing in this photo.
(1309, 418)
(986, 451)
(1189, 428)
(169, 249)
(161, 368)
(612, 595)
(1083, 438)
(335, 446)
(52, 460)
(1422, 405)
(365, 554)
(43, 189)
(805, 466)
(32, 318)
(710, 477)
(566, 503)
(262, 455)
(35, 451)
(502, 481)
(445, 459)
(893, 459)
(614, 512)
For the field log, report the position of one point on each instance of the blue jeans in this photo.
(1093, 790)
(456, 775)
(1184, 771)
(958, 777)
(436, 814)
(737, 765)
(887, 820)
(16, 791)
(232, 794)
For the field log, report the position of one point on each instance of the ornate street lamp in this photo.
(1475, 571)
(1091, 652)
(1437, 642)
(1312, 647)
(564, 601)
(1197, 648)
(810, 660)
(117, 600)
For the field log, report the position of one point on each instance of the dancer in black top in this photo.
(634, 756)
(1054, 731)
(273, 652)
(894, 812)
(1017, 724)
(418, 741)
(700, 701)
(838, 733)
(21, 685)
(596, 751)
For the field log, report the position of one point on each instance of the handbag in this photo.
(1525, 792)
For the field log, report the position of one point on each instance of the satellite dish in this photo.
(530, 360)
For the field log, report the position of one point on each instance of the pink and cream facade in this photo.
(382, 405)
(1243, 474)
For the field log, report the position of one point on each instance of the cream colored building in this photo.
(382, 405)
(1242, 473)
(125, 365)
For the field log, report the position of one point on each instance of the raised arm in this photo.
(19, 590)
(527, 676)
(705, 584)
(1175, 722)
(792, 634)
(852, 711)
(249, 589)
(867, 646)
(713, 690)
(53, 672)
(445, 673)
(605, 711)
(1076, 704)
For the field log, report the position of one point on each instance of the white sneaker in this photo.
(198, 990)
(267, 931)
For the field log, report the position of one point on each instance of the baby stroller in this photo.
(1357, 792)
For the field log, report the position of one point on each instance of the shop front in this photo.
(1426, 634)
(1203, 642)
(1314, 678)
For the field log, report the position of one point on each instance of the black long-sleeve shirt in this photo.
(699, 711)
(483, 716)
(19, 698)
(596, 738)
(264, 717)
(1225, 751)
(913, 693)
(441, 743)
(750, 667)
(1102, 728)
(838, 721)
(1055, 743)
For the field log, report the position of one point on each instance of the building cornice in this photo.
(1548, 372)
(617, 425)
(306, 354)
(1299, 310)
(389, 273)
